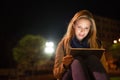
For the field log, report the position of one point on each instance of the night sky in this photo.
(47, 18)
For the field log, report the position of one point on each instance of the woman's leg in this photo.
(79, 71)
(96, 67)
(67, 75)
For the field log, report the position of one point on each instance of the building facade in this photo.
(107, 29)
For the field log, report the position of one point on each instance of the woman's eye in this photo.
(86, 28)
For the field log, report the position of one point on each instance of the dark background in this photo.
(47, 18)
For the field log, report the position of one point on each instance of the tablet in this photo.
(86, 52)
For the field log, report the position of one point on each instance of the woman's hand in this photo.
(67, 60)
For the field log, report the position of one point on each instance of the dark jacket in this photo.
(59, 69)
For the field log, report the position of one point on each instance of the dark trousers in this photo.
(86, 68)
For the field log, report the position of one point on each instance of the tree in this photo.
(29, 51)
(115, 50)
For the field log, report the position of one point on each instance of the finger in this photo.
(68, 55)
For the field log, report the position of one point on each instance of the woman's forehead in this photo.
(83, 20)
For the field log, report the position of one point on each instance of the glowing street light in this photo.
(49, 47)
(119, 39)
(49, 44)
(115, 41)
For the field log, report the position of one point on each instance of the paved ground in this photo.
(49, 76)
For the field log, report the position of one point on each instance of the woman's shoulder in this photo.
(61, 42)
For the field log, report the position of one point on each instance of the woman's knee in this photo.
(75, 61)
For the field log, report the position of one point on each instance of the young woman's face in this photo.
(82, 28)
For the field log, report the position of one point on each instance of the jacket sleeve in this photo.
(103, 58)
(58, 69)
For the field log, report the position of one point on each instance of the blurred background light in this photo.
(49, 47)
(115, 41)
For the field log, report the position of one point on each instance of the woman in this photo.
(81, 33)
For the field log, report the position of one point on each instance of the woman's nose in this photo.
(82, 30)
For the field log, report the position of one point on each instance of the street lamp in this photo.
(49, 47)
(119, 39)
(115, 41)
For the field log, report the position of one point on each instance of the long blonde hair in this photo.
(70, 31)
